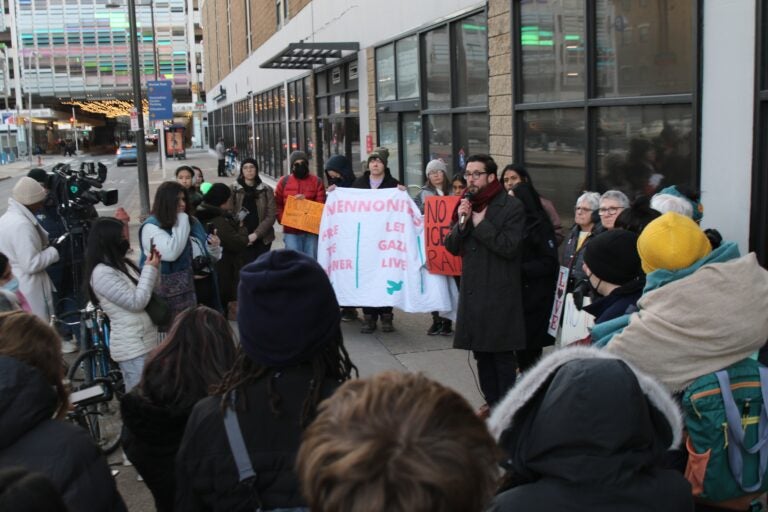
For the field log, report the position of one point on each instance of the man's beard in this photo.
(474, 189)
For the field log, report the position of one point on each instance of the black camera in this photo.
(73, 189)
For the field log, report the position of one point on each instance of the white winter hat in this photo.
(435, 166)
(28, 191)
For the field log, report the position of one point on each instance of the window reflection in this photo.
(553, 50)
(470, 137)
(439, 137)
(471, 61)
(643, 149)
(644, 50)
(414, 174)
(388, 139)
(408, 68)
(385, 73)
(555, 155)
(437, 55)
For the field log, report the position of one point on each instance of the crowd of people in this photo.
(273, 415)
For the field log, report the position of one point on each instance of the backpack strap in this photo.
(237, 444)
(736, 445)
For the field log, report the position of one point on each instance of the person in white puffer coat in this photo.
(116, 284)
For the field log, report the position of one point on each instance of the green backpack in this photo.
(727, 427)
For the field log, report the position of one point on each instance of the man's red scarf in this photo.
(479, 200)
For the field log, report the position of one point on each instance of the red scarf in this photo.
(481, 199)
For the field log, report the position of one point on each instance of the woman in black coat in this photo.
(539, 271)
(33, 402)
(194, 356)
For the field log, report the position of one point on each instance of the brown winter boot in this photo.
(369, 324)
(386, 323)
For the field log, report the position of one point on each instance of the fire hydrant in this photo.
(122, 216)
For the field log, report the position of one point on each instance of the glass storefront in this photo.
(432, 97)
(606, 102)
(338, 112)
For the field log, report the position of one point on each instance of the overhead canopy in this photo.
(308, 55)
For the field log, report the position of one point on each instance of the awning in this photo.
(308, 55)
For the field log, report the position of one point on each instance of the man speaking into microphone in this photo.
(487, 234)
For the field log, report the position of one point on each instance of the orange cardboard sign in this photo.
(302, 214)
(437, 224)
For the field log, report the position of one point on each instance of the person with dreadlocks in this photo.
(240, 444)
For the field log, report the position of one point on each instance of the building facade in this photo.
(76, 53)
(626, 94)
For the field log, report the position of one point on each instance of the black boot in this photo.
(386, 322)
(436, 327)
(447, 327)
(369, 324)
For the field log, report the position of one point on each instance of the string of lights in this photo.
(109, 108)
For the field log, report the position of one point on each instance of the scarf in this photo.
(481, 199)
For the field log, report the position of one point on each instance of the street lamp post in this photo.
(141, 153)
(29, 136)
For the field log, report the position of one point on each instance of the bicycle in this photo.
(94, 367)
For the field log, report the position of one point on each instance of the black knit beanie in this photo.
(612, 256)
(217, 195)
(287, 309)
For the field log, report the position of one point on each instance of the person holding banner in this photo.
(488, 233)
(301, 185)
(437, 185)
(338, 173)
(377, 176)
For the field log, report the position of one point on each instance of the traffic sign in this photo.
(160, 96)
(134, 120)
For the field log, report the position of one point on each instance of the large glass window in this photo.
(655, 59)
(471, 62)
(549, 33)
(385, 73)
(338, 112)
(584, 119)
(408, 68)
(440, 109)
(437, 67)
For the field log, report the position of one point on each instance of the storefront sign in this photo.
(372, 247)
(438, 212)
(302, 214)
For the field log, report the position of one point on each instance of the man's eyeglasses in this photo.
(579, 209)
(474, 174)
(612, 210)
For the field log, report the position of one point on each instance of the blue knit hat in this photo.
(287, 309)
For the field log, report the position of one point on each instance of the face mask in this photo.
(595, 293)
(334, 181)
(12, 285)
(301, 170)
(123, 247)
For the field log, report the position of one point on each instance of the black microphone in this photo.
(463, 218)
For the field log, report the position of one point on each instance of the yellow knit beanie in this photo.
(671, 242)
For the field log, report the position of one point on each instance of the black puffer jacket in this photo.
(61, 451)
(207, 477)
(151, 438)
(583, 432)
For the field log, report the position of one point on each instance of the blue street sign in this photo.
(160, 98)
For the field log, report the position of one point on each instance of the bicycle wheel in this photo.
(82, 370)
(105, 424)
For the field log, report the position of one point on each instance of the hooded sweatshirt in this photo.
(569, 448)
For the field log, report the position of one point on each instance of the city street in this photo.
(406, 349)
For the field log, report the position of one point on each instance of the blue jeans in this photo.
(302, 242)
(132, 369)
